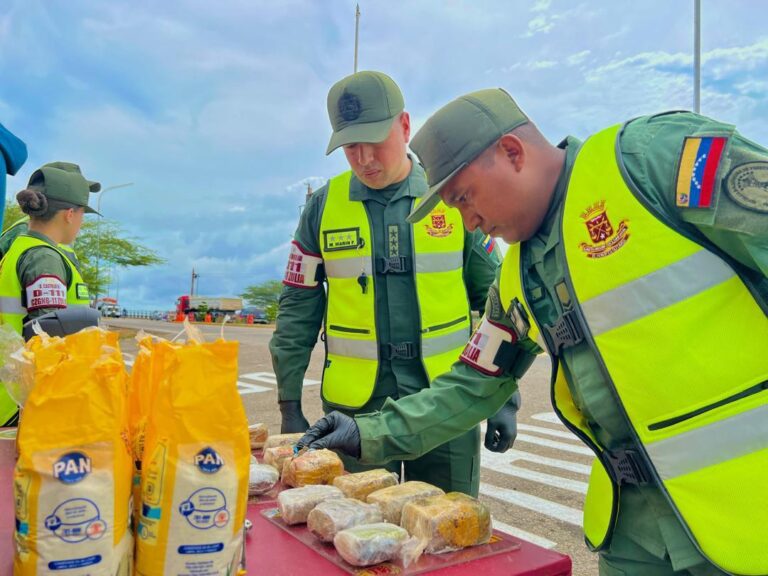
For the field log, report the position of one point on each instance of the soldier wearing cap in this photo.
(36, 276)
(638, 262)
(397, 309)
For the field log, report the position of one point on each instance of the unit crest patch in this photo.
(437, 225)
(747, 185)
(604, 239)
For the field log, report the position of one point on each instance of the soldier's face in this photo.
(494, 193)
(384, 163)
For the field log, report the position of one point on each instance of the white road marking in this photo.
(523, 535)
(502, 463)
(246, 388)
(550, 417)
(540, 505)
(270, 378)
(585, 469)
(581, 449)
(549, 431)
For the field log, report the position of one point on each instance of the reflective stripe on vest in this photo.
(352, 345)
(683, 344)
(12, 311)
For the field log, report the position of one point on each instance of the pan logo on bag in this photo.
(208, 461)
(72, 467)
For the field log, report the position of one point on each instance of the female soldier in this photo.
(36, 277)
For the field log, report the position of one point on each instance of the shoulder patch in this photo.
(46, 292)
(697, 171)
(747, 185)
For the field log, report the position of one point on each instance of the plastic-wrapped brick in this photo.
(296, 504)
(312, 467)
(370, 544)
(332, 516)
(361, 484)
(391, 500)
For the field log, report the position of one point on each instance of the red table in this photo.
(273, 551)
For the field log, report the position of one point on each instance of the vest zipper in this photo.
(444, 325)
(349, 330)
(752, 390)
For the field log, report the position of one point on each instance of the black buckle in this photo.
(393, 265)
(399, 351)
(628, 467)
(566, 331)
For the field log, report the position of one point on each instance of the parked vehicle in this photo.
(217, 306)
(259, 315)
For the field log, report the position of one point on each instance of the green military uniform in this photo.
(648, 536)
(454, 466)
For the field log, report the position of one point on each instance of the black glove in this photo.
(293, 419)
(502, 427)
(335, 431)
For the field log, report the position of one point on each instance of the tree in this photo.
(104, 239)
(264, 295)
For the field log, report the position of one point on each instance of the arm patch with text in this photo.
(482, 352)
(46, 291)
(302, 268)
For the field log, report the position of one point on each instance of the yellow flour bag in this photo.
(72, 479)
(140, 393)
(194, 483)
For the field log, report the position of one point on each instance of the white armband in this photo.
(46, 292)
(482, 350)
(301, 270)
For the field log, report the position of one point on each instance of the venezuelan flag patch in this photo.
(488, 244)
(696, 176)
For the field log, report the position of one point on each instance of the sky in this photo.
(216, 111)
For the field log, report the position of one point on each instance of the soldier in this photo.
(638, 261)
(397, 309)
(36, 276)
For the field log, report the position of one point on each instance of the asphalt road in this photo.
(535, 490)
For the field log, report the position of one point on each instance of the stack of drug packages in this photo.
(370, 518)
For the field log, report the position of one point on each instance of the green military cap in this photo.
(362, 108)
(457, 134)
(63, 181)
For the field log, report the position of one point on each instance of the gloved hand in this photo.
(293, 418)
(335, 431)
(502, 427)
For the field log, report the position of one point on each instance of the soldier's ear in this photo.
(513, 149)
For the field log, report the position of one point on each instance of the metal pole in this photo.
(192, 286)
(697, 56)
(98, 234)
(357, 28)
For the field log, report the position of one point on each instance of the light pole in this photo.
(98, 234)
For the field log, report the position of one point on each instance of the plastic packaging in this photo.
(277, 455)
(296, 504)
(361, 484)
(448, 522)
(72, 481)
(332, 516)
(261, 478)
(258, 434)
(312, 467)
(370, 544)
(282, 440)
(391, 500)
(194, 482)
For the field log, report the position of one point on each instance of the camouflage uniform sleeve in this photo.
(455, 402)
(482, 258)
(300, 312)
(733, 212)
(42, 261)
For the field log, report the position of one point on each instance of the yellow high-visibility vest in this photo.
(682, 342)
(12, 309)
(353, 348)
